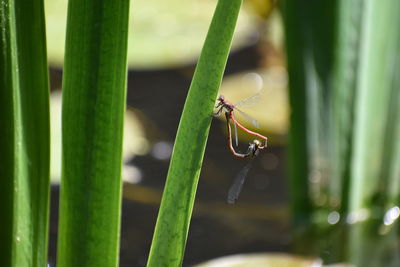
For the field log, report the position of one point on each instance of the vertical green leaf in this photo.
(298, 165)
(348, 112)
(375, 133)
(24, 134)
(177, 203)
(393, 157)
(310, 34)
(347, 69)
(379, 68)
(94, 96)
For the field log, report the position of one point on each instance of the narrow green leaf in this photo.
(393, 164)
(94, 95)
(309, 32)
(177, 203)
(346, 73)
(298, 153)
(24, 134)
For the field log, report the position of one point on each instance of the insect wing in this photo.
(249, 101)
(236, 187)
(248, 118)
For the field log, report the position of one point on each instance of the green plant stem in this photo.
(177, 203)
(94, 95)
(24, 134)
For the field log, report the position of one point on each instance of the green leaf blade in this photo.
(94, 95)
(24, 134)
(177, 204)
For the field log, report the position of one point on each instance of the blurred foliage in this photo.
(163, 34)
(262, 8)
(343, 60)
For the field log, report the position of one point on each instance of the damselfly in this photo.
(224, 105)
(236, 187)
(252, 151)
(253, 148)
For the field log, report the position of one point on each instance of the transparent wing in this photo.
(248, 118)
(249, 101)
(236, 187)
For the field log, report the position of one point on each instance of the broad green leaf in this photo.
(24, 134)
(94, 93)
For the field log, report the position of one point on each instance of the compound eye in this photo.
(221, 98)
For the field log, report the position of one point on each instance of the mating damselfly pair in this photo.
(254, 147)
